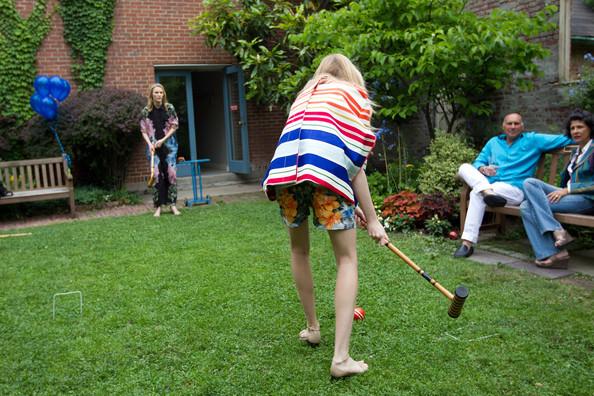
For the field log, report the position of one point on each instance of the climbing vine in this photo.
(20, 38)
(88, 25)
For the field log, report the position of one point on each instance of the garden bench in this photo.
(37, 180)
(558, 160)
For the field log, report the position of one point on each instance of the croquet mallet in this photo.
(457, 299)
(151, 180)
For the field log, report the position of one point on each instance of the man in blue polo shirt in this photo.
(497, 174)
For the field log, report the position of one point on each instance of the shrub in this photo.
(99, 129)
(9, 148)
(407, 210)
(404, 203)
(446, 153)
(436, 226)
(440, 205)
(582, 95)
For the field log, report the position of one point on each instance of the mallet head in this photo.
(458, 302)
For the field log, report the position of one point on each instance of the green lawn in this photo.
(204, 304)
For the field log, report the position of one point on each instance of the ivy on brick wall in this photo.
(88, 25)
(20, 38)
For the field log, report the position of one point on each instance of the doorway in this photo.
(211, 108)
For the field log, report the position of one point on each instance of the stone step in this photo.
(215, 179)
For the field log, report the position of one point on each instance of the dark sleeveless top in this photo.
(159, 117)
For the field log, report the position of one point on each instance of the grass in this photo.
(204, 304)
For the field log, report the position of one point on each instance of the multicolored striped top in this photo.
(326, 139)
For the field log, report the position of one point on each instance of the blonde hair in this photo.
(149, 103)
(339, 67)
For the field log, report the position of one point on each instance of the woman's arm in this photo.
(374, 227)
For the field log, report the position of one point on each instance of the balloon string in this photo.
(64, 154)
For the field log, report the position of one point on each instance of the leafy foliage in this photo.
(446, 153)
(582, 95)
(20, 39)
(99, 128)
(8, 138)
(420, 55)
(426, 55)
(407, 210)
(403, 203)
(256, 32)
(88, 25)
(436, 226)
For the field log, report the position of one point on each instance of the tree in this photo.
(418, 55)
(431, 55)
(256, 32)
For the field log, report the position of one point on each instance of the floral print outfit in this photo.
(331, 211)
(154, 124)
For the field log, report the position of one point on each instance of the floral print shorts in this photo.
(331, 211)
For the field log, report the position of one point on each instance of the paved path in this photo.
(581, 262)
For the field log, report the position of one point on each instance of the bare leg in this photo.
(157, 212)
(303, 279)
(347, 278)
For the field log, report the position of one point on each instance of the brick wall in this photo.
(148, 33)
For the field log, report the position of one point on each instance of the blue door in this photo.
(178, 86)
(236, 127)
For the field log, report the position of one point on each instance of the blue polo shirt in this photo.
(517, 161)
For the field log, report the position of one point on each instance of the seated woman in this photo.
(546, 234)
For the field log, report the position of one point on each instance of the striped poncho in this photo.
(326, 139)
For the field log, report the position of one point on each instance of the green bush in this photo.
(436, 226)
(438, 171)
(98, 128)
(582, 96)
(98, 197)
(9, 145)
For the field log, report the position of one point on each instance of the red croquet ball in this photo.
(359, 313)
(453, 235)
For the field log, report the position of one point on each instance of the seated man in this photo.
(497, 174)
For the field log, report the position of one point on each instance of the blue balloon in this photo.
(49, 108)
(41, 85)
(65, 90)
(56, 87)
(35, 102)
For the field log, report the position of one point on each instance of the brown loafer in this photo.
(557, 261)
(562, 237)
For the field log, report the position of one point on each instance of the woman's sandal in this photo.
(557, 261)
(562, 237)
(310, 335)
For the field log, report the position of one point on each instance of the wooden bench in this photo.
(558, 161)
(37, 180)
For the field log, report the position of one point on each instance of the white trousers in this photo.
(476, 207)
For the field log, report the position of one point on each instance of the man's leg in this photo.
(479, 183)
(476, 208)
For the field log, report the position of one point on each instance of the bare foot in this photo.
(175, 210)
(311, 335)
(157, 212)
(347, 367)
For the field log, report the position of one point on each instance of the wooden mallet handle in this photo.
(151, 180)
(457, 299)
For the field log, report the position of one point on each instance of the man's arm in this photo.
(483, 158)
(550, 142)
